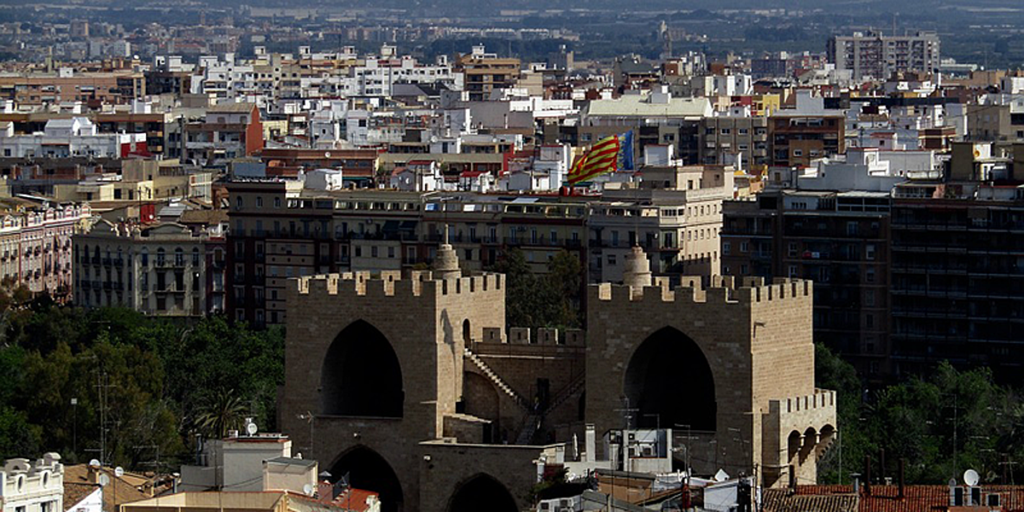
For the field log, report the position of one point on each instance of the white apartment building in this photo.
(873, 55)
(62, 138)
(27, 486)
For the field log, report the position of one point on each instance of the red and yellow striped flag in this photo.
(608, 155)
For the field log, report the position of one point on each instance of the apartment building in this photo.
(873, 55)
(32, 486)
(280, 230)
(484, 73)
(228, 131)
(740, 141)
(35, 241)
(796, 139)
(957, 277)
(63, 138)
(115, 87)
(675, 216)
(162, 270)
(997, 120)
(840, 240)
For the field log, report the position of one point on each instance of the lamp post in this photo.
(308, 418)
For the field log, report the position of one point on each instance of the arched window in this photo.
(161, 257)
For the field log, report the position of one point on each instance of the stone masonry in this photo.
(476, 402)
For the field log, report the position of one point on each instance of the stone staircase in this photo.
(567, 392)
(530, 426)
(497, 381)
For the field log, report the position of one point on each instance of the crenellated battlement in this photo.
(391, 283)
(723, 290)
(821, 399)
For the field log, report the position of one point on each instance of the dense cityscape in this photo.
(446, 257)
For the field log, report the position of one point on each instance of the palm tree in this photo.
(220, 414)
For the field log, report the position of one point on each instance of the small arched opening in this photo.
(809, 442)
(364, 468)
(482, 492)
(669, 383)
(361, 375)
(793, 445)
(467, 336)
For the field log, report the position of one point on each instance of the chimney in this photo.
(590, 443)
(867, 475)
(792, 479)
(856, 483)
(902, 477)
(325, 491)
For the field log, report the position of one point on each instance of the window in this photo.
(611, 259)
(239, 203)
(851, 228)
(726, 248)
(869, 320)
(869, 252)
(161, 257)
(792, 271)
(792, 249)
(869, 275)
(744, 247)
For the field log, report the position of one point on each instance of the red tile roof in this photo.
(354, 500)
(917, 498)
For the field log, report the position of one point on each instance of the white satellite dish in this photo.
(119, 471)
(971, 477)
(251, 428)
(307, 489)
(94, 463)
(104, 480)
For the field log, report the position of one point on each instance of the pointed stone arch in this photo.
(669, 382)
(481, 492)
(361, 375)
(363, 468)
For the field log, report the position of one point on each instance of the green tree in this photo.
(564, 282)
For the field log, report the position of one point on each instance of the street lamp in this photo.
(308, 418)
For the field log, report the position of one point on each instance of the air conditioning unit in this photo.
(992, 500)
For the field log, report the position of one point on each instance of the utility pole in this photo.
(102, 386)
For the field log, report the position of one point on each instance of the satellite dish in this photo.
(119, 471)
(971, 477)
(721, 476)
(104, 480)
(307, 489)
(94, 463)
(251, 428)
